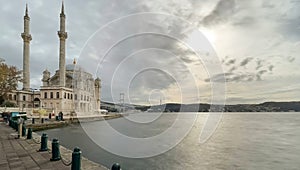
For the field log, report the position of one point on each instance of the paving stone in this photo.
(21, 154)
(11, 155)
(29, 163)
(16, 164)
(4, 165)
(18, 168)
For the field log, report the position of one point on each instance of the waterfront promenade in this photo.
(19, 154)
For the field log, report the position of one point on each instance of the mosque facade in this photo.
(70, 89)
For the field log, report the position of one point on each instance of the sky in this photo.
(216, 51)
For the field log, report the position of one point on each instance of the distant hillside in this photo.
(263, 107)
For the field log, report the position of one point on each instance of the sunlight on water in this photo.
(242, 141)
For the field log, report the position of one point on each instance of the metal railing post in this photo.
(76, 159)
(55, 150)
(44, 142)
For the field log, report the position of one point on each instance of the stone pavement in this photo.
(19, 154)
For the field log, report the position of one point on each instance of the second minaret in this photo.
(26, 36)
(62, 34)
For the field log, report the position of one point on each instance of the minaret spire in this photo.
(62, 8)
(26, 36)
(62, 34)
(26, 10)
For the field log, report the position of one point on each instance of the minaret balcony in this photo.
(62, 34)
(26, 37)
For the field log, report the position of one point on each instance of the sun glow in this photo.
(210, 35)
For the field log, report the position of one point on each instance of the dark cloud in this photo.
(241, 71)
(232, 69)
(232, 61)
(259, 64)
(291, 59)
(271, 68)
(246, 61)
(222, 11)
(231, 77)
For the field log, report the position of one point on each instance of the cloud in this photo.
(259, 64)
(232, 61)
(258, 29)
(232, 69)
(271, 68)
(243, 70)
(246, 61)
(291, 59)
(222, 11)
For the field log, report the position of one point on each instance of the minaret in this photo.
(62, 34)
(26, 36)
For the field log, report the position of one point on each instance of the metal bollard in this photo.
(42, 120)
(116, 166)
(33, 121)
(44, 143)
(23, 130)
(76, 159)
(29, 133)
(55, 150)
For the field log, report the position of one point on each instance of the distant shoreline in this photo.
(291, 106)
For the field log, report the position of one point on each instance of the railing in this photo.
(75, 162)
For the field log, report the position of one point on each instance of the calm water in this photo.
(242, 141)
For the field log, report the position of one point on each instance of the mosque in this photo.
(70, 89)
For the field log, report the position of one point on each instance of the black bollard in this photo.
(23, 130)
(44, 142)
(29, 133)
(42, 121)
(55, 150)
(76, 159)
(50, 116)
(116, 166)
(33, 121)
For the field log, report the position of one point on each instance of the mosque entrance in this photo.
(36, 102)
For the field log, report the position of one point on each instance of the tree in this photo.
(9, 78)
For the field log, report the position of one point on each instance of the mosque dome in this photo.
(72, 67)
